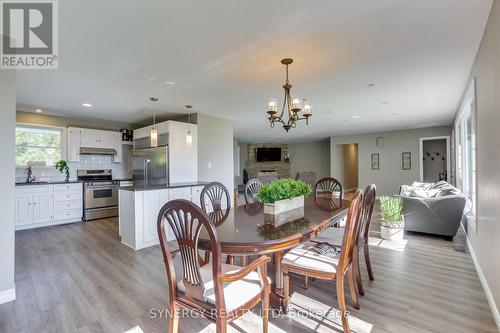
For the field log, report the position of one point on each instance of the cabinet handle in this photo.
(34, 203)
(29, 203)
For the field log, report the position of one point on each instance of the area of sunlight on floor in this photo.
(135, 329)
(322, 317)
(386, 244)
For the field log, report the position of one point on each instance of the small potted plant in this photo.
(283, 195)
(63, 167)
(392, 223)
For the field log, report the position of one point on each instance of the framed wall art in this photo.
(406, 160)
(375, 161)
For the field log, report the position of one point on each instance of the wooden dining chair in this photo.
(218, 291)
(361, 237)
(304, 260)
(364, 230)
(326, 187)
(251, 189)
(213, 197)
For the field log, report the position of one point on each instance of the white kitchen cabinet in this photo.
(91, 138)
(24, 209)
(153, 202)
(118, 146)
(42, 207)
(138, 213)
(74, 144)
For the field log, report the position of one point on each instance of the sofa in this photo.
(433, 208)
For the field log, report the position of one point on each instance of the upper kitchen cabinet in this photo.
(182, 141)
(93, 139)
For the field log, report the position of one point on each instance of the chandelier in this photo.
(292, 104)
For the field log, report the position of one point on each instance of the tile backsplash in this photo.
(49, 173)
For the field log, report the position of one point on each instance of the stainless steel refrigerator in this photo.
(151, 166)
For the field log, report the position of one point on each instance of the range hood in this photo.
(97, 151)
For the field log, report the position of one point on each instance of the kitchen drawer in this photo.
(68, 187)
(33, 188)
(68, 214)
(68, 205)
(68, 196)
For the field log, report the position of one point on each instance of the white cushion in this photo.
(236, 293)
(304, 256)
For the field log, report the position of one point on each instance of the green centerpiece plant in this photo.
(63, 167)
(283, 195)
(392, 222)
(283, 189)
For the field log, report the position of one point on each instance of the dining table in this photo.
(247, 231)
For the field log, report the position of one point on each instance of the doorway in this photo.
(434, 159)
(349, 166)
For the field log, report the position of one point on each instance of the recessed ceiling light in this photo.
(170, 83)
(87, 105)
(356, 117)
(369, 85)
(39, 110)
(385, 103)
(394, 114)
(329, 111)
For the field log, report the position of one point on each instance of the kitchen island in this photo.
(139, 207)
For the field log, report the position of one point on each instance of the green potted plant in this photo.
(63, 167)
(392, 223)
(283, 195)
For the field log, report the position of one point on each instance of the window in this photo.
(38, 144)
(465, 127)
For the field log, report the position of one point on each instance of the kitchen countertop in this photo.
(48, 183)
(161, 187)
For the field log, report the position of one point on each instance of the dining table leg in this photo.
(277, 296)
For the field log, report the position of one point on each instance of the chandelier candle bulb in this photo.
(272, 105)
(307, 107)
(296, 103)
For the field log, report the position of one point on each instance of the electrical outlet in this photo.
(210, 165)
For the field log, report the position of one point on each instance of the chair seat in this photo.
(332, 236)
(304, 256)
(236, 293)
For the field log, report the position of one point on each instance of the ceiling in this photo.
(223, 57)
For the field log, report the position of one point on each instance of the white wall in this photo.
(390, 176)
(310, 156)
(216, 146)
(7, 179)
(485, 242)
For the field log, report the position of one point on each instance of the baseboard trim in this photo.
(484, 283)
(7, 295)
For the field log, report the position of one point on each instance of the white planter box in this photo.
(282, 206)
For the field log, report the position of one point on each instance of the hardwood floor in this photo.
(80, 278)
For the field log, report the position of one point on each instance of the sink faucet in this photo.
(31, 178)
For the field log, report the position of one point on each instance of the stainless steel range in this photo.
(100, 194)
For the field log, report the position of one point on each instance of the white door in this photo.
(42, 207)
(24, 209)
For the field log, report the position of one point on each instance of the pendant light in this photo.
(154, 131)
(189, 136)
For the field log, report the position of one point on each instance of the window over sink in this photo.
(38, 144)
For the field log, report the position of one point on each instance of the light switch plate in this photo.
(210, 165)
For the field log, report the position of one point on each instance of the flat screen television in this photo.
(268, 154)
